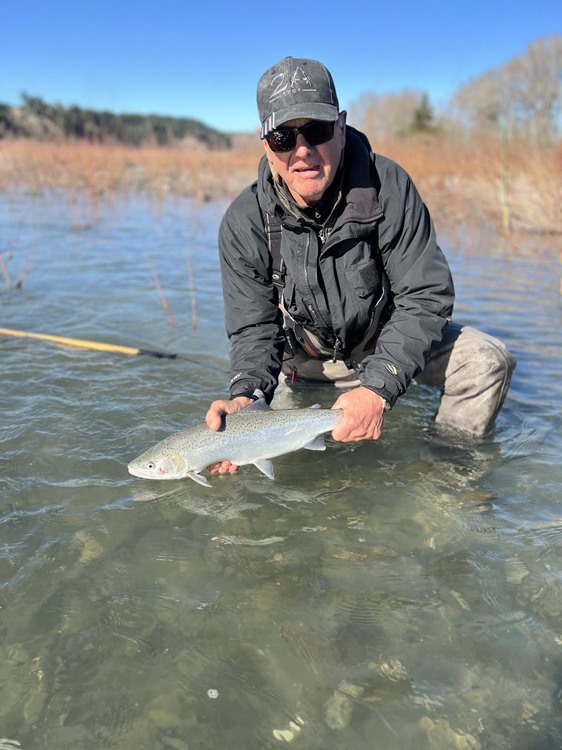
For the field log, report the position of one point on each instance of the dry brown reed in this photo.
(163, 299)
(470, 183)
(191, 284)
(465, 183)
(5, 273)
(101, 169)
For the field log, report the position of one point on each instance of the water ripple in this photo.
(418, 576)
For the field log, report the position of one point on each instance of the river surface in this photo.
(404, 594)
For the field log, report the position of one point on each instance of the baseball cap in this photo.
(294, 88)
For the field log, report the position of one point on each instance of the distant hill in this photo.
(39, 120)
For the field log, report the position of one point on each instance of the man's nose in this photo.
(302, 143)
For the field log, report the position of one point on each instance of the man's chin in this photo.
(310, 191)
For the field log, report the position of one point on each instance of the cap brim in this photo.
(308, 110)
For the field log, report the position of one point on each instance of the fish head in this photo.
(154, 464)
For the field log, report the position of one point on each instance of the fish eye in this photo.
(150, 465)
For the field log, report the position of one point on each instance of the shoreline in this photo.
(462, 186)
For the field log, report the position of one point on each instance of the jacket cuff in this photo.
(253, 393)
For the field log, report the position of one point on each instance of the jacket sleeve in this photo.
(252, 317)
(421, 285)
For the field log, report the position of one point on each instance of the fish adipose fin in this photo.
(265, 466)
(198, 478)
(316, 445)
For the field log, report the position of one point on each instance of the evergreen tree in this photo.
(423, 116)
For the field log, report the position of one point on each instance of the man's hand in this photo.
(214, 419)
(363, 415)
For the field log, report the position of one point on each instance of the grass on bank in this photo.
(464, 184)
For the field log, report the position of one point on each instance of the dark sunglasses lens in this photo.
(318, 132)
(315, 133)
(282, 140)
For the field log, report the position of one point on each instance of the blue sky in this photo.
(203, 59)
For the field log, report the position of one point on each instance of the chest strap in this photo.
(273, 230)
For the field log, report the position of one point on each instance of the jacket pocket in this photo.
(365, 278)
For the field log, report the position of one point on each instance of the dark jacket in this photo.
(335, 277)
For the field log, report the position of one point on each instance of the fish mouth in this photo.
(137, 471)
(172, 467)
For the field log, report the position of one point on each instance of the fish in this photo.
(253, 435)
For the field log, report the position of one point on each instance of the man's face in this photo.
(308, 171)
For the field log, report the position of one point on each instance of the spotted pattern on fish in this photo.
(252, 435)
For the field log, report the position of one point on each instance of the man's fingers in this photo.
(363, 415)
(214, 415)
(351, 433)
(217, 409)
(222, 467)
(213, 419)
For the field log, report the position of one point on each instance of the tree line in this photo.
(523, 97)
(36, 118)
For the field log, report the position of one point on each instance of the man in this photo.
(331, 273)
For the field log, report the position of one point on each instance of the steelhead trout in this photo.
(252, 435)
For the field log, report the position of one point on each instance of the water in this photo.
(403, 594)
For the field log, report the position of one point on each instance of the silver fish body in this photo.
(252, 435)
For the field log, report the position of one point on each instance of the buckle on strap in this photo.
(278, 278)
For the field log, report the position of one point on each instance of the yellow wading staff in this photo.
(82, 343)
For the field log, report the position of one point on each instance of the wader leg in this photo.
(473, 370)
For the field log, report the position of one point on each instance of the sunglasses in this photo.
(282, 140)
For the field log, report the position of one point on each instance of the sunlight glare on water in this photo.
(408, 592)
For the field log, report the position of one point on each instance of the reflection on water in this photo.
(408, 591)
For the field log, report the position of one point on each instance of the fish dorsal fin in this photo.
(316, 445)
(315, 406)
(260, 404)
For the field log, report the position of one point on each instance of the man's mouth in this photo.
(306, 169)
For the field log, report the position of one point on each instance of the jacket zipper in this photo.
(312, 307)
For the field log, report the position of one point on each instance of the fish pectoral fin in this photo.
(198, 478)
(265, 466)
(316, 445)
